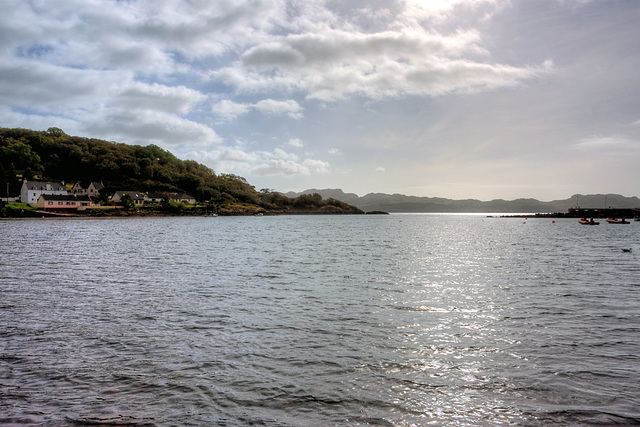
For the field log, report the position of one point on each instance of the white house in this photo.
(32, 190)
(184, 198)
(90, 188)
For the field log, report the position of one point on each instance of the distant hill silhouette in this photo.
(402, 203)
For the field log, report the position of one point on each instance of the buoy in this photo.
(553, 222)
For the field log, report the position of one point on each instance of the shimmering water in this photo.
(319, 321)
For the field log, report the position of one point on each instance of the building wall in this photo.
(64, 205)
(58, 204)
(28, 194)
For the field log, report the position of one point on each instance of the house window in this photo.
(50, 203)
(60, 203)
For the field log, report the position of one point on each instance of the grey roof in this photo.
(66, 197)
(42, 185)
(86, 184)
(157, 195)
(177, 196)
(135, 195)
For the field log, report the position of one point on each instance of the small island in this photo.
(50, 173)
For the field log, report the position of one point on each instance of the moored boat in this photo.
(588, 221)
(617, 221)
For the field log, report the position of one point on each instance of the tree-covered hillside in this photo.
(57, 156)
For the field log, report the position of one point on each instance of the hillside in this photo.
(402, 203)
(56, 156)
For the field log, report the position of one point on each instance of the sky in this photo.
(481, 99)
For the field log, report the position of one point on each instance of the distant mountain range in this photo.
(402, 203)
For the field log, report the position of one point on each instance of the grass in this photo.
(20, 206)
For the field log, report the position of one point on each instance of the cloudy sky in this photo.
(451, 98)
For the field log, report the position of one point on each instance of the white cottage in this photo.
(183, 198)
(32, 190)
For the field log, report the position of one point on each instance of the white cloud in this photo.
(149, 127)
(116, 67)
(176, 72)
(612, 144)
(261, 163)
(108, 104)
(295, 142)
(275, 107)
(317, 166)
(227, 110)
(37, 122)
(136, 34)
(416, 11)
(46, 88)
(177, 99)
(334, 64)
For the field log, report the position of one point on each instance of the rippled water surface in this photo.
(324, 320)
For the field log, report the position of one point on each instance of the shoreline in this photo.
(29, 214)
(629, 214)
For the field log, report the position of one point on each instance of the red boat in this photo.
(617, 221)
(588, 221)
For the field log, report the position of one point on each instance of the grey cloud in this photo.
(143, 35)
(45, 87)
(336, 64)
(36, 121)
(177, 99)
(341, 46)
(147, 71)
(145, 127)
(467, 76)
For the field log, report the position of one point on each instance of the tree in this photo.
(53, 131)
(28, 174)
(21, 155)
(127, 202)
(308, 201)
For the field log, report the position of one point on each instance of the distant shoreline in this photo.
(30, 214)
(197, 212)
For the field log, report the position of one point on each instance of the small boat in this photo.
(617, 221)
(588, 221)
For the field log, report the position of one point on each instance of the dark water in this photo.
(318, 321)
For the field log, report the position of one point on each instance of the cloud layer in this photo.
(234, 84)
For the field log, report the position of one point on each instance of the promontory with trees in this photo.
(52, 155)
